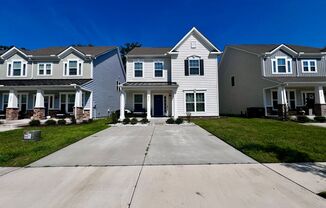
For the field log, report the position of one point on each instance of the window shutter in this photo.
(201, 67)
(65, 68)
(186, 68)
(24, 69)
(9, 69)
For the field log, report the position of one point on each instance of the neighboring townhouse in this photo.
(172, 81)
(60, 81)
(273, 79)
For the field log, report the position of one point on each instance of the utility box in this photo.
(32, 135)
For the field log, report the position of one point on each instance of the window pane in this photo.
(138, 73)
(305, 68)
(274, 66)
(312, 63)
(70, 108)
(138, 107)
(281, 62)
(41, 66)
(138, 65)
(63, 98)
(194, 63)
(138, 99)
(24, 98)
(158, 65)
(17, 65)
(190, 97)
(281, 69)
(275, 104)
(194, 70)
(200, 107)
(17, 72)
(158, 73)
(190, 107)
(305, 63)
(292, 95)
(72, 64)
(289, 66)
(71, 98)
(200, 97)
(274, 95)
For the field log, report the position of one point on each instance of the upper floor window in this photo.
(16, 69)
(73, 68)
(309, 66)
(44, 69)
(138, 69)
(194, 66)
(282, 65)
(158, 69)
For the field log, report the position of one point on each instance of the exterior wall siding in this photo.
(148, 69)
(269, 69)
(321, 67)
(208, 82)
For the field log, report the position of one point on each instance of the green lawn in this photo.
(16, 152)
(268, 140)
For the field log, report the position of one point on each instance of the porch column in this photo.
(173, 104)
(39, 110)
(12, 109)
(149, 104)
(320, 105)
(122, 105)
(282, 102)
(79, 105)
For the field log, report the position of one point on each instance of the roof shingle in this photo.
(263, 48)
(149, 51)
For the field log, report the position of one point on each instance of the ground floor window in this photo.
(138, 102)
(290, 95)
(5, 98)
(67, 102)
(195, 102)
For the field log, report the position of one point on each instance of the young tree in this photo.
(126, 48)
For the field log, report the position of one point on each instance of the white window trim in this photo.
(138, 61)
(68, 71)
(34, 98)
(158, 61)
(3, 100)
(19, 100)
(287, 97)
(66, 101)
(309, 66)
(12, 68)
(287, 70)
(133, 99)
(195, 101)
(38, 69)
(194, 58)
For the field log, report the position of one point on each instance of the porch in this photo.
(148, 99)
(295, 99)
(45, 102)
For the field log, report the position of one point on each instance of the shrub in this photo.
(114, 118)
(134, 121)
(188, 117)
(35, 123)
(62, 122)
(144, 121)
(320, 119)
(170, 121)
(126, 121)
(179, 121)
(50, 122)
(302, 119)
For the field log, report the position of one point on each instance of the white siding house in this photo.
(173, 81)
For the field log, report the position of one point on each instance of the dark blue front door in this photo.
(158, 105)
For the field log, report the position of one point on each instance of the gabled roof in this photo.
(195, 31)
(21, 51)
(140, 51)
(268, 48)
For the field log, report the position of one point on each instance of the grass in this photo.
(268, 140)
(16, 152)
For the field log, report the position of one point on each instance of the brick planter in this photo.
(320, 109)
(39, 113)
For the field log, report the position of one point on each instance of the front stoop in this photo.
(12, 114)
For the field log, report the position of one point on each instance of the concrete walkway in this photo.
(154, 166)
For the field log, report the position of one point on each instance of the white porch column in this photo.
(173, 103)
(282, 102)
(39, 99)
(122, 105)
(149, 104)
(281, 96)
(79, 99)
(12, 99)
(319, 95)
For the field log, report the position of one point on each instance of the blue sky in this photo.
(42, 23)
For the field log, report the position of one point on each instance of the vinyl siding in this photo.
(208, 82)
(17, 56)
(321, 67)
(269, 68)
(148, 70)
(107, 70)
(249, 85)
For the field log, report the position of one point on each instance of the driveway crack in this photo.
(141, 169)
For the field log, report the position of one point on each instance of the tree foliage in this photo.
(126, 48)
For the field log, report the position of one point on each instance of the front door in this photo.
(158, 105)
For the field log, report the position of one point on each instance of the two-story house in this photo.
(279, 79)
(173, 81)
(57, 81)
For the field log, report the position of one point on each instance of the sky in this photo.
(42, 23)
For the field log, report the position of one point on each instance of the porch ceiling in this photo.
(42, 82)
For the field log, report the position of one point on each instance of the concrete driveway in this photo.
(168, 145)
(155, 166)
